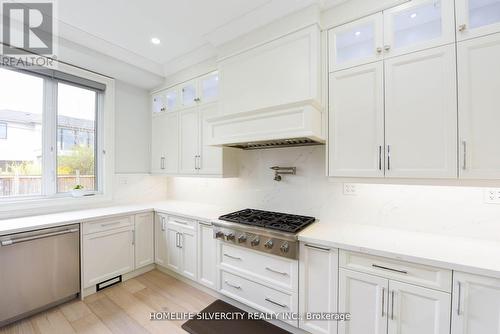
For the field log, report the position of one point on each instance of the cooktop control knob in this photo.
(269, 244)
(285, 247)
(230, 236)
(242, 238)
(255, 241)
(219, 234)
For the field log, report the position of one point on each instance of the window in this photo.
(3, 130)
(52, 133)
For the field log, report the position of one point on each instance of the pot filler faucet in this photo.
(278, 171)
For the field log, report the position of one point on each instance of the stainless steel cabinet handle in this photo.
(162, 223)
(462, 27)
(205, 224)
(388, 157)
(459, 306)
(177, 239)
(233, 285)
(390, 269)
(387, 48)
(35, 237)
(196, 162)
(133, 237)
(317, 247)
(464, 164)
(383, 301)
(179, 222)
(162, 163)
(276, 271)
(378, 50)
(392, 305)
(275, 303)
(181, 240)
(380, 157)
(199, 162)
(232, 257)
(110, 224)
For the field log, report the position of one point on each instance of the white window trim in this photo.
(22, 206)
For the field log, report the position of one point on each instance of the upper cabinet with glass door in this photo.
(477, 18)
(418, 25)
(356, 43)
(209, 87)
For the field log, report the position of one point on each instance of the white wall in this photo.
(450, 210)
(132, 129)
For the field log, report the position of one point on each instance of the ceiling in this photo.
(123, 29)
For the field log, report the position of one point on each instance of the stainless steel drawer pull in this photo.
(390, 269)
(459, 306)
(275, 303)
(110, 224)
(232, 257)
(35, 237)
(392, 305)
(180, 222)
(383, 301)
(232, 285)
(205, 224)
(275, 271)
(317, 247)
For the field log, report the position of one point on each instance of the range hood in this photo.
(298, 124)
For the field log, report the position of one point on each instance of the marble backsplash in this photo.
(450, 210)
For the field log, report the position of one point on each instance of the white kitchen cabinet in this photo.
(144, 239)
(159, 103)
(356, 43)
(477, 18)
(418, 25)
(172, 99)
(479, 116)
(196, 157)
(476, 304)
(365, 297)
(416, 310)
(161, 243)
(189, 134)
(107, 254)
(318, 286)
(165, 143)
(189, 93)
(207, 255)
(182, 246)
(356, 122)
(209, 87)
(421, 114)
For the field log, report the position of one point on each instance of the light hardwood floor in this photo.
(123, 308)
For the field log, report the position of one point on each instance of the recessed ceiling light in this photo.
(414, 15)
(155, 40)
(357, 33)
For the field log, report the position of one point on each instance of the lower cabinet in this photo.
(143, 239)
(176, 244)
(108, 251)
(476, 304)
(318, 270)
(207, 255)
(380, 305)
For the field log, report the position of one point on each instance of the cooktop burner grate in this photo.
(272, 220)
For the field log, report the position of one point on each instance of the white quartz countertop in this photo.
(192, 210)
(471, 255)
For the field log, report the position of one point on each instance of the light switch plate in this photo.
(350, 189)
(492, 196)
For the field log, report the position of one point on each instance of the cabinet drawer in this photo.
(258, 296)
(107, 224)
(181, 222)
(427, 276)
(274, 270)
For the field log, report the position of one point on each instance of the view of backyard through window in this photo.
(25, 156)
(76, 111)
(21, 108)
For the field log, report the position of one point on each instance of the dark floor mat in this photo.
(239, 326)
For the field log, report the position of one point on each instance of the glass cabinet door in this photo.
(189, 94)
(418, 25)
(356, 43)
(209, 87)
(158, 103)
(172, 99)
(477, 18)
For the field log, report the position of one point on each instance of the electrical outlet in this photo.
(349, 189)
(492, 196)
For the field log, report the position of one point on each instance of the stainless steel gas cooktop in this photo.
(270, 232)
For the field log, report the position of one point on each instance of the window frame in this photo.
(6, 130)
(49, 200)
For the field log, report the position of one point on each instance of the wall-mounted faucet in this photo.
(278, 171)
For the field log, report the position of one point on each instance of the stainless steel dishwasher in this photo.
(38, 269)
